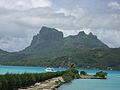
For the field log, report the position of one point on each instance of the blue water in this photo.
(112, 83)
(24, 69)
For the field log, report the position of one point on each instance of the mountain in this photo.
(50, 48)
(46, 41)
(83, 40)
(51, 40)
(2, 53)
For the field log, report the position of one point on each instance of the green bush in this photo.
(70, 74)
(77, 76)
(73, 70)
(101, 74)
(67, 77)
(83, 73)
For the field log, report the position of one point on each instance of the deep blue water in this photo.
(112, 83)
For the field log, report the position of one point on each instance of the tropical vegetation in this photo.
(101, 74)
(14, 81)
(83, 73)
(70, 74)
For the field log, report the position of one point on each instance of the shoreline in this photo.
(60, 67)
(54, 83)
(50, 84)
(45, 81)
(91, 77)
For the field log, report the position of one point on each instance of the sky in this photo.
(20, 20)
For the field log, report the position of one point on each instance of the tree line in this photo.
(14, 81)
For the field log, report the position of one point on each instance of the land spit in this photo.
(54, 83)
(50, 84)
(91, 77)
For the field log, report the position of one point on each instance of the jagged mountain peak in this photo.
(49, 47)
(47, 33)
(45, 28)
(82, 33)
(45, 39)
(50, 39)
(91, 35)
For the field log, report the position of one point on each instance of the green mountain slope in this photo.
(50, 40)
(50, 48)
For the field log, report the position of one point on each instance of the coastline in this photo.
(45, 81)
(50, 84)
(91, 77)
(59, 67)
(54, 83)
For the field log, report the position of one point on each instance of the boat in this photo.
(49, 69)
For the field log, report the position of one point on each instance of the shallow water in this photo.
(112, 83)
(24, 69)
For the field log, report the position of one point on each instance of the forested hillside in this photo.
(50, 48)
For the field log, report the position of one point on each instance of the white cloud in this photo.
(114, 5)
(74, 12)
(109, 37)
(8, 43)
(20, 26)
(24, 4)
(41, 3)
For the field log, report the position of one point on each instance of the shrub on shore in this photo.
(70, 74)
(101, 74)
(83, 73)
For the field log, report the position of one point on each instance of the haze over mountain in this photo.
(50, 48)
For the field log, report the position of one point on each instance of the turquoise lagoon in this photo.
(112, 83)
(24, 69)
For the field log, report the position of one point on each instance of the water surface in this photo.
(24, 69)
(112, 83)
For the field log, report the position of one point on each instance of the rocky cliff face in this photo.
(50, 34)
(47, 35)
(45, 41)
(82, 40)
(50, 39)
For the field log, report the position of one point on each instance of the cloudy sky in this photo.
(21, 19)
